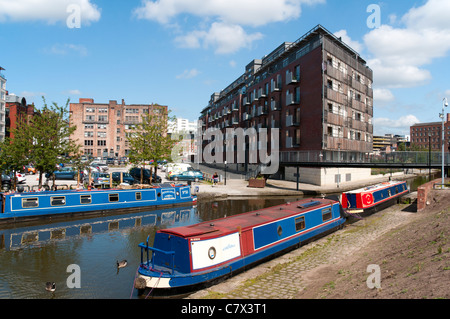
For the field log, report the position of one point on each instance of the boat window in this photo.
(58, 201)
(138, 195)
(113, 197)
(299, 223)
(85, 199)
(326, 214)
(396, 189)
(30, 202)
(389, 193)
(279, 230)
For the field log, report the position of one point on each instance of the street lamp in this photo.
(442, 115)
(429, 156)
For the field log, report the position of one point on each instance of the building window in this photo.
(101, 143)
(88, 142)
(88, 134)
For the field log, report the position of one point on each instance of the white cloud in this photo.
(355, 45)
(223, 22)
(223, 37)
(188, 74)
(50, 11)
(383, 95)
(67, 48)
(242, 12)
(74, 92)
(397, 126)
(400, 55)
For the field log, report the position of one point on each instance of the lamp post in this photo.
(429, 156)
(442, 115)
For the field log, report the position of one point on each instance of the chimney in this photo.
(86, 100)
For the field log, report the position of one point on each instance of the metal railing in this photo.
(412, 158)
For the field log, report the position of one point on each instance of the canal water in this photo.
(81, 256)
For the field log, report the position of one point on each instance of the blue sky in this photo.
(178, 52)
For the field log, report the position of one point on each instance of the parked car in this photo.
(110, 161)
(187, 176)
(99, 179)
(135, 172)
(6, 182)
(20, 178)
(100, 166)
(30, 170)
(64, 173)
(126, 177)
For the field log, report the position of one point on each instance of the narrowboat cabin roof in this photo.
(227, 225)
(375, 187)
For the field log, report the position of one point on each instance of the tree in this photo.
(50, 131)
(150, 139)
(14, 153)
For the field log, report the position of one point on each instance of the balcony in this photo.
(291, 121)
(291, 99)
(292, 142)
(291, 78)
(275, 106)
(262, 110)
(274, 86)
(261, 93)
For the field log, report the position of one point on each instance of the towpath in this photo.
(286, 276)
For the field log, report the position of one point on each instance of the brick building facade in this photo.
(102, 128)
(317, 91)
(17, 110)
(425, 135)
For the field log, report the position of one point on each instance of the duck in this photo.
(122, 264)
(50, 286)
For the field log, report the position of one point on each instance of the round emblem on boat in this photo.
(212, 253)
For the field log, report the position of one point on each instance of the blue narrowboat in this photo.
(183, 259)
(22, 206)
(368, 198)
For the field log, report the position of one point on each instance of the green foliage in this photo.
(149, 140)
(40, 141)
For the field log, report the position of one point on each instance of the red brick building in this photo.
(102, 128)
(425, 135)
(317, 91)
(17, 110)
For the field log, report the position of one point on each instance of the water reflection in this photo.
(33, 254)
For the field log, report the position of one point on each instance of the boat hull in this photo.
(234, 252)
(370, 198)
(28, 206)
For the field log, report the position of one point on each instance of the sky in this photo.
(179, 52)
